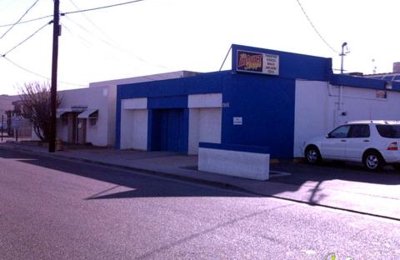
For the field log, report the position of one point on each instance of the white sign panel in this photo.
(238, 121)
(271, 64)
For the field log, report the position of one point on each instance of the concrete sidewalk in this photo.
(290, 181)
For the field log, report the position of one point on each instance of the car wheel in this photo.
(312, 155)
(373, 161)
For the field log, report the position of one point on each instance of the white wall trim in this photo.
(205, 100)
(134, 103)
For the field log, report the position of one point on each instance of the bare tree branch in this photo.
(36, 106)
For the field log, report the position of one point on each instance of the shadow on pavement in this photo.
(129, 184)
(302, 171)
(330, 184)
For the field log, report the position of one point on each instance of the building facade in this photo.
(87, 115)
(269, 99)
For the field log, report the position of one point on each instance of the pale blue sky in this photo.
(155, 36)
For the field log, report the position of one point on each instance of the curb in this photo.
(136, 169)
(219, 184)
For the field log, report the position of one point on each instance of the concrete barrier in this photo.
(239, 161)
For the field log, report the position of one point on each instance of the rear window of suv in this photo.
(389, 131)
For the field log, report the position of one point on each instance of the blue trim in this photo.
(359, 82)
(201, 84)
(351, 81)
(149, 129)
(167, 102)
(234, 147)
(184, 145)
(118, 122)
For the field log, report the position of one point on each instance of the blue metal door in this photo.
(166, 130)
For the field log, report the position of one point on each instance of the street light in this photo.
(342, 54)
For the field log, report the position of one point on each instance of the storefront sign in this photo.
(257, 62)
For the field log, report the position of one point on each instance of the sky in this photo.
(157, 36)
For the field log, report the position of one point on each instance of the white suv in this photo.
(374, 143)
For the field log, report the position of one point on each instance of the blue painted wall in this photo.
(168, 94)
(265, 103)
(293, 65)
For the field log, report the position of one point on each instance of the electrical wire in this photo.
(85, 42)
(315, 29)
(89, 20)
(101, 7)
(109, 44)
(73, 12)
(63, 14)
(19, 20)
(41, 76)
(19, 44)
(27, 21)
(24, 69)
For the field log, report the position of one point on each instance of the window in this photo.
(389, 131)
(359, 131)
(340, 132)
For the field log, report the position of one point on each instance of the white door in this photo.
(334, 145)
(358, 141)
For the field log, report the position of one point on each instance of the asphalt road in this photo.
(57, 209)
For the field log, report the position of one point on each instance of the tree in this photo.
(36, 106)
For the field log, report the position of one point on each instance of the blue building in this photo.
(270, 99)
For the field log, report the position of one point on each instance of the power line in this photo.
(27, 21)
(315, 29)
(114, 46)
(73, 12)
(101, 7)
(12, 26)
(90, 21)
(24, 69)
(39, 75)
(19, 44)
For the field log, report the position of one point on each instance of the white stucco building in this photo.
(88, 115)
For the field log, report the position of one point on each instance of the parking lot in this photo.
(334, 170)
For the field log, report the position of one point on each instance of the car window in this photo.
(340, 132)
(359, 131)
(389, 131)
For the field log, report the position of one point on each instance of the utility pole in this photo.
(342, 54)
(56, 34)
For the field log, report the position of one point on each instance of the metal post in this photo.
(342, 55)
(56, 32)
(2, 124)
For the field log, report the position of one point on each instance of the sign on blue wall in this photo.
(256, 62)
(246, 59)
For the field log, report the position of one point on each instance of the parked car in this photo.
(373, 143)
